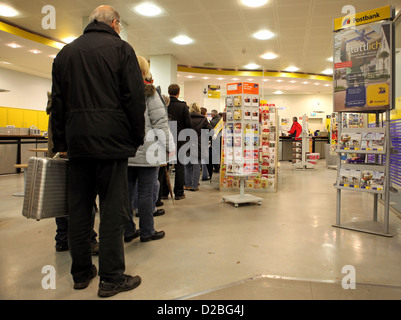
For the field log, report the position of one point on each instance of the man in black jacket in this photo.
(98, 107)
(180, 119)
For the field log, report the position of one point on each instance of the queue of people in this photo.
(119, 134)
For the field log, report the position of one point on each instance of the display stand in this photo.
(364, 83)
(241, 139)
(355, 175)
(242, 197)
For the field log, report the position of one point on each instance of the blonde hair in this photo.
(194, 107)
(144, 65)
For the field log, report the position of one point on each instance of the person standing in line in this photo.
(296, 128)
(98, 106)
(192, 169)
(215, 148)
(62, 222)
(143, 169)
(205, 171)
(178, 112)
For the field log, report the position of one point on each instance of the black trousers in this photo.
(108, 178)
(179, 179)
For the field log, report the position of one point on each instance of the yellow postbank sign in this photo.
(357, 19)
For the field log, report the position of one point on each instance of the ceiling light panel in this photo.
(263, 35)
(148, 9)
(254, 3)
(7, 11)
(182, 40)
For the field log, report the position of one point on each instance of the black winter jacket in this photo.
(200, 122)
(98, 100)
(179, 117)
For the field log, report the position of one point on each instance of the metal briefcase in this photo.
(46, 188)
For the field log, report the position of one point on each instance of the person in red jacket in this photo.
(296, 128)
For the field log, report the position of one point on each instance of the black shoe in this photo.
(159, 212)
(164, 197)
(62, 247)
(156, 236)
(108, 289)
(85, 284)
(159, 203)
(180, 197)
(130, 238)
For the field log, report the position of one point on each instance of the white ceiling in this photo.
(221, 29)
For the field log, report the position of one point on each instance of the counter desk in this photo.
(285, 147)
(15, 150)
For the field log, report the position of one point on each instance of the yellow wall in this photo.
(23, 118)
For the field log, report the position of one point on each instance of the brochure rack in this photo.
(241, 138)
(355, 174)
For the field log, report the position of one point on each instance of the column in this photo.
(164, 71)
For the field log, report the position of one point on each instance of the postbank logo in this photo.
(377, 95)
(346, 22)
(378, 14)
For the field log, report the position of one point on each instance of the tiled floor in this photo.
(286, 248)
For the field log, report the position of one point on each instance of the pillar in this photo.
(164, 71)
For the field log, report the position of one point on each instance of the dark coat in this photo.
(179, 118)
(200, 122)
(98, 100)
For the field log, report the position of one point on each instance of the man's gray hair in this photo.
(104, 14)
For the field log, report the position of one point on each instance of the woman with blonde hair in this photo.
(144, 167)
(192, 169)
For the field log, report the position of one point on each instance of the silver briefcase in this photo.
(46, 188)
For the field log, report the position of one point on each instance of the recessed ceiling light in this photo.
(7, 11)
(330, 59)
(190, 77)
(316, 84)
(293, 81)
(292, 69)
(235, 79)
(263, 35)
(278, 92)
(252, 66)
(182, 40)
(5, 62)
(148, 9)
(205, 78)
(327, 71)
(254, 3)
(220, 79)
(269, 56)
(305, 82)
(13, 45)
(35, 51)
(52, 56)
(279, 80)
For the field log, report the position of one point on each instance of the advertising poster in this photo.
(362, 68)
(213, 91)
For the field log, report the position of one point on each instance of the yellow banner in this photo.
(378, 14)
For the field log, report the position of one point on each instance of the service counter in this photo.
(15, 150)
(285, 147)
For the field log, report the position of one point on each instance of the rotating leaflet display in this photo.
(241, 138)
